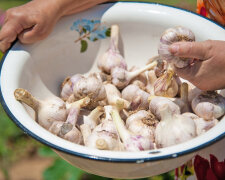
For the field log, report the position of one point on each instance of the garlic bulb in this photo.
(104, 136)
(209, 105)
(69, 130)
(130, 141)
(114, 96)
(136, 96)
(68, 85)
(142, 123)
(171, 36)
(121, 78)
(92, 87)
(166, 85)
(112, 57)
(93, 117)
(173, 128)
(201, 125)
(46, 111)
(157, 103)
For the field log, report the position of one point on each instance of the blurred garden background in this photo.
(23, 158)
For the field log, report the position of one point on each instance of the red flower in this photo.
(205, 171)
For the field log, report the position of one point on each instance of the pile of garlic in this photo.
(129, 110)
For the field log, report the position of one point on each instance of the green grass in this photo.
(6, 4)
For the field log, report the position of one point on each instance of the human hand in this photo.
(30, 22)
(208, 69)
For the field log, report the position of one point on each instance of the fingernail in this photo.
(174, 48)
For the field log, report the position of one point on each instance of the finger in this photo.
(190, 72)
(32, 35)
(196, 50)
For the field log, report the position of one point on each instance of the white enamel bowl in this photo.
(41, 68)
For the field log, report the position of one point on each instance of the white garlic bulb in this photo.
(136, 96)
(173, 128)
(209, 105)
(121, 77)
(142, 123)
(46, 111)
(157, 103)
(202, 125)
(171, 36)
(112, 57)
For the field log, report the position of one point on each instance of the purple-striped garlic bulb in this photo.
(112, 57)
(67, 86)
(121, 77)
(173, 128)
(157, 103)
(166, 85)
(136, 96)
(202, 125)
(104, 136)
(209, 105)
(142, 123)
(171, 36)
(46, 111)
(69, 130)
(130, 141)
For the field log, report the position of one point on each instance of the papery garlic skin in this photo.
(166, 85)
(46, 111)
(130, 141)
(157, 102)
(202, 125)
(151, 78)
(136, 96)
(171, 36)
(68, 85)
(112, 57)
(209, 105)
(173, 128)
(142, 123)
(161, 65)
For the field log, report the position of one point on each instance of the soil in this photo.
(28, 169)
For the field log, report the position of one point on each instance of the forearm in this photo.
(68, 7)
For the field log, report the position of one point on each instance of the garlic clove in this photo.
(112, 57)
(201, 125)
(171, 36)
(209, 105)
(121, 78)
(46, 111)
(151, 78)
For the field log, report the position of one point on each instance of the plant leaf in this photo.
(84, 46)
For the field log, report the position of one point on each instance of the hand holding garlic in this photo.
(207, 71)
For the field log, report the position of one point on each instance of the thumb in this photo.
(196, 50)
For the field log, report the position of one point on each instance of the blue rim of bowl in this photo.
(91, 157)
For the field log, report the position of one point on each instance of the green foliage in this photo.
(84, 45)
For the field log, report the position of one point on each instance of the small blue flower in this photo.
(99, 33)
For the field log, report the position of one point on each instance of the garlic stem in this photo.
(114, 37)
(96, 113)
(86, 132)
(120, 126)
(26, 97)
